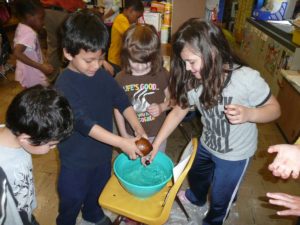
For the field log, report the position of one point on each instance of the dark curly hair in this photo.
(41, 113)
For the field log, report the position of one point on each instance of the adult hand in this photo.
(288, 201)
(286, 162)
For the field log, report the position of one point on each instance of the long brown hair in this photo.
(141, 44)
(208, 41)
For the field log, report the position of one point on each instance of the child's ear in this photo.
(67, 55)
(24, 138)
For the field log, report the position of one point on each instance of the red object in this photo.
(68, 5)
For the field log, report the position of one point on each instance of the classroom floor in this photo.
(251, 208)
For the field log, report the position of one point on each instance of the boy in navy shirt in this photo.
(93, 94)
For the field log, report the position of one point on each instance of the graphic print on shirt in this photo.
(23, 189)
(216, 135)
(139, 101)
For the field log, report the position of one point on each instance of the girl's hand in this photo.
(129, 147)
(154, 109)
(237, 113)
(286, 162)
(289, 201)
(47, 69)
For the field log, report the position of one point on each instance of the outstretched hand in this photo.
(286, 162)
(292, 203)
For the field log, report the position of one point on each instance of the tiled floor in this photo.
(251, 207)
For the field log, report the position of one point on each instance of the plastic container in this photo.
(142, 181)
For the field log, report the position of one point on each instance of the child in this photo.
(93, 93)
(30, 68)
(144, 80)
(231, 98)
(132, 11)
(36, 120)
(110, 10)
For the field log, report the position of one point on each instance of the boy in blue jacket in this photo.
(93, 94)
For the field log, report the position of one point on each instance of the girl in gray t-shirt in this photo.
(231, 99)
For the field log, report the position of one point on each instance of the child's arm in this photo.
(107, 66)
(128, 146)
(286, 162)
(130, 116)
(240, 114)
(19, 53)
(121, 124)
(156, 109)
(175, 116)
(291, 202)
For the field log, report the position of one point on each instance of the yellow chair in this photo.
(155, 209)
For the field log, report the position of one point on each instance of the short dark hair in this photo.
(42, 113)
(136, 5)
(83, 30)
(26, 7)
(141, 44)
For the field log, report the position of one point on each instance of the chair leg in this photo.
(118, 220)
(183, 209)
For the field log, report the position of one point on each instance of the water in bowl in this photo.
(137, 174)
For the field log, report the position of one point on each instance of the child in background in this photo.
(144, 80)
(30, 68)
(36, 120)
(93, 94)
(133, 10)
(231, 98)
(110, 9)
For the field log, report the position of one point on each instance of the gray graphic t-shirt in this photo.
(225, 140)
(17, 165)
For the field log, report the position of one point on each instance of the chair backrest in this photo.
(177, 184)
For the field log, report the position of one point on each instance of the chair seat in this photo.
(115, 198)
(155, 209)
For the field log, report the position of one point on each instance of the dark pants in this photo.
(222, 176)
(79, 189)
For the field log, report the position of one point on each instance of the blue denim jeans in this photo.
(222, 177)
(79, 190)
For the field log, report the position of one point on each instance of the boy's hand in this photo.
(47, 69)
(237, 114)
(129, 147)
(154, 109)
(286, 162)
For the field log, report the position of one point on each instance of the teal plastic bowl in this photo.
(142, 181)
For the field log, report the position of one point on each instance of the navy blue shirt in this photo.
(92, 100)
